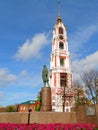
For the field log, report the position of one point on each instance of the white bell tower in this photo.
(60, 69)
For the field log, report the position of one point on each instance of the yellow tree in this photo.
(11, 108)
(80, 98)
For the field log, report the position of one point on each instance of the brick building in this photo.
(25, 106)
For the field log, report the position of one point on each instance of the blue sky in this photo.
(25, 43)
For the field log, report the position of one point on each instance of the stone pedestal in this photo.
(46, 99)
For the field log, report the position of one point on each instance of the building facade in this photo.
(26, 106)
(60, 70)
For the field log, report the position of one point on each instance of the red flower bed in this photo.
(58, 126)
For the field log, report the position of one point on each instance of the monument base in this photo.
(46, 99)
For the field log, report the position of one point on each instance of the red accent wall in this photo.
(55, 61)
(54, 79)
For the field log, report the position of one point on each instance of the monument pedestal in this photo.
(46, 99)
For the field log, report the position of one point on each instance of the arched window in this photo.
(67, 104)
(61, 61)
(60, 30)
(53, 97)
(63, 81)
(60, 37)
(53, 103)
(67, 110)
(61, 45)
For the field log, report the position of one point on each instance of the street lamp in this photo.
(29, 111)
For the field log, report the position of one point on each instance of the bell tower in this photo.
(60, 69)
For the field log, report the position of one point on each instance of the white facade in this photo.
(60, 69)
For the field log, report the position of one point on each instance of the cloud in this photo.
(6, 77)
(32, 48)
(78, 41)
(86, 64)
(23, 73)
(21, 87)
(81, 37)
(23, 79)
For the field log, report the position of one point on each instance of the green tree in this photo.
(11, 108)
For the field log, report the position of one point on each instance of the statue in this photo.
(45, 91)
(45, 76)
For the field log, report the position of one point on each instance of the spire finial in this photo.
(59, 18)
(58, 7)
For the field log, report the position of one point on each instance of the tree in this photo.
(0, 106)
(89, 80)
(80, 94)
(11, 108)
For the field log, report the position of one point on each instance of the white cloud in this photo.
(77, 43)
(32, 48)
(23, 73)
(81, 37)
(6, 77)
(23, 79)
(80, 66)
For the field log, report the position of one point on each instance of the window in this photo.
(67, 110)
(24, 108)
(61, 45)
(63, 81)
(53, 110)
(61, 37)
(20, 107)
(66, 103)
(53, 97)
(53, 103)
(61, 61)
(60, 30)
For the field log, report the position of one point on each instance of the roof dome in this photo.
(59, 19)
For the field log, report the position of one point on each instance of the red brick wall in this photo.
(77, 116)
(38, 117)
(82, 117)
(26, 107)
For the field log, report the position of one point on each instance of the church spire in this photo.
(59, 18)
(58, 8)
